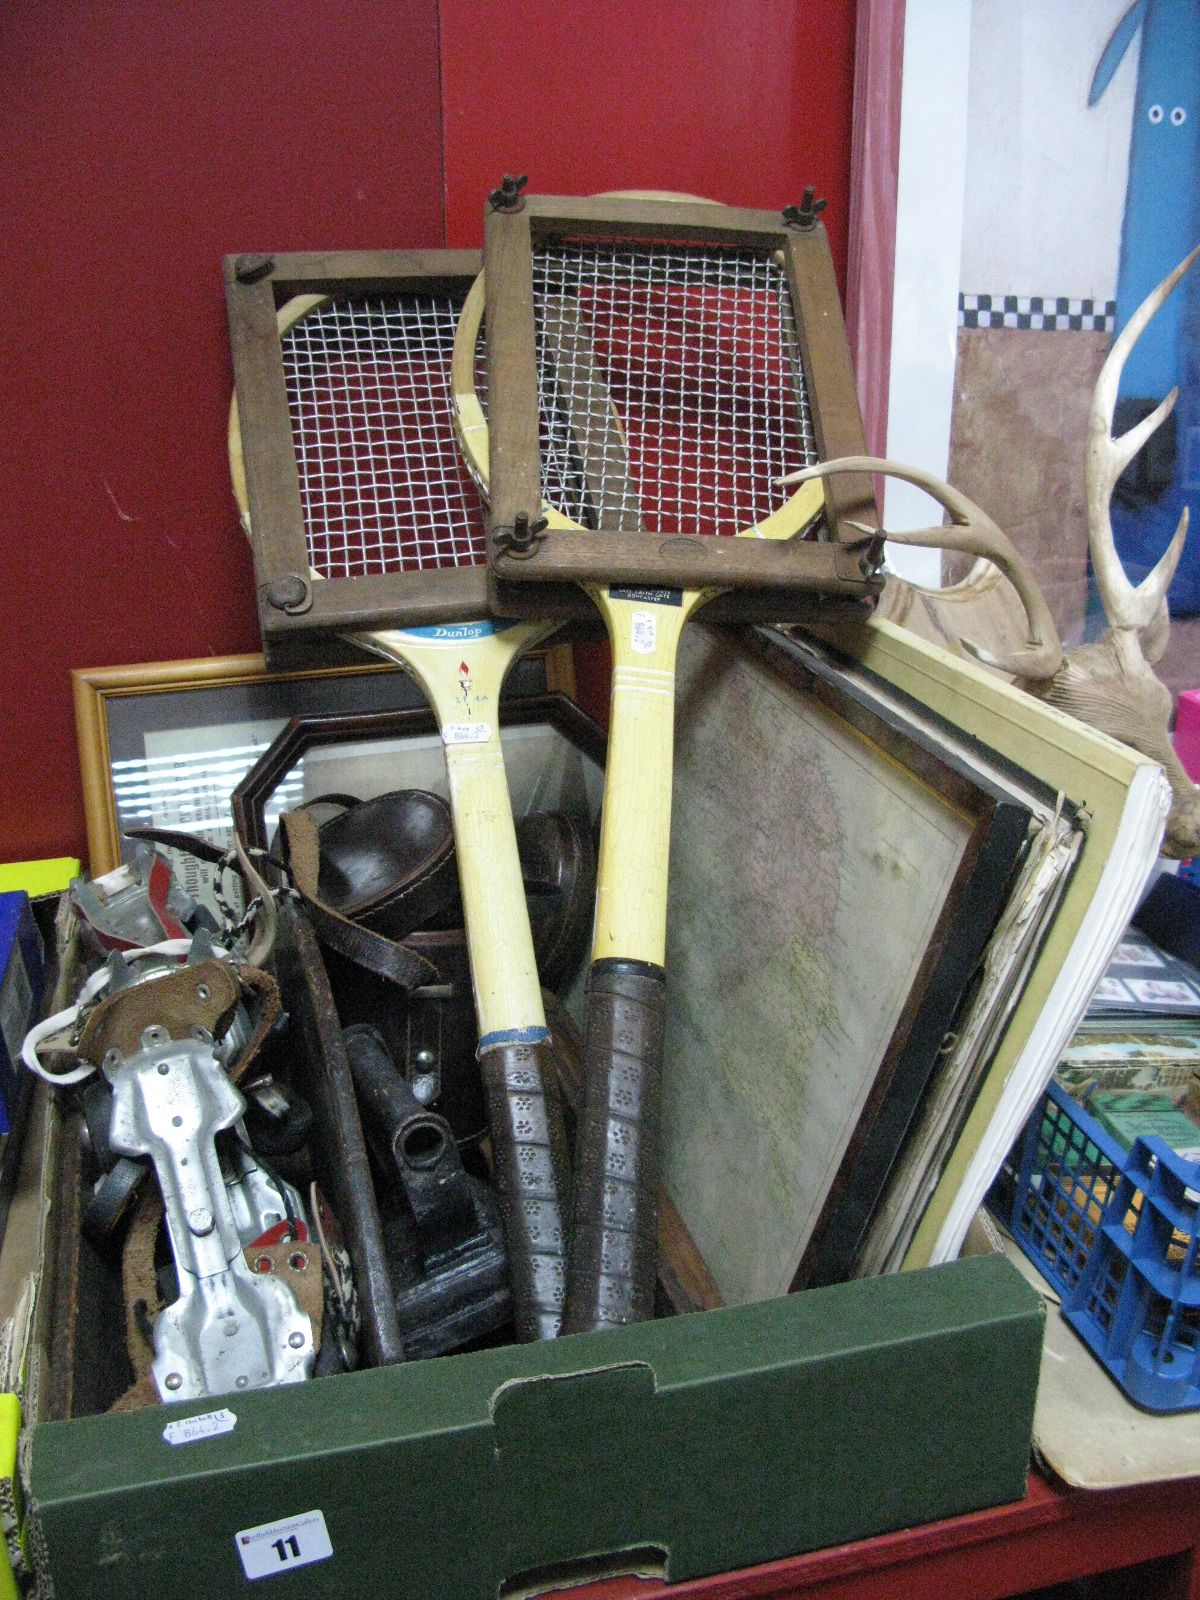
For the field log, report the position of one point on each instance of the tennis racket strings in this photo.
(671, 389)
(383, 486)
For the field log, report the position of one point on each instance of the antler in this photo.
(1144, 606)
(973, 532)
(1109, 684)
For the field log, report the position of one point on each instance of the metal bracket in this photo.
(870, 549)
(871, 560)
(253, 268)
(228, 1329)
(292, 594)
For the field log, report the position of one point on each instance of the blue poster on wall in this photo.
(1161, 225)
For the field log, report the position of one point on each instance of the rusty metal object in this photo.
(321, 1073)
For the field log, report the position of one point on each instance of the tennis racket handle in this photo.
(614, 1240)
(530, 1169)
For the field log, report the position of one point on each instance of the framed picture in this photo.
(165, 744)
(839, 868)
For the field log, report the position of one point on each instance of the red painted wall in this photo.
(142, 141)
(744, 101)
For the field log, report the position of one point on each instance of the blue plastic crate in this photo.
(1052, 1190)
(1117, 1233)
(22, 973)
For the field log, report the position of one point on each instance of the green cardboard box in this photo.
(688, 1446)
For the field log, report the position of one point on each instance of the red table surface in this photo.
(1052, 1536)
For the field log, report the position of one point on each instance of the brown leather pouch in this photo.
(380, 885)
(388, 863)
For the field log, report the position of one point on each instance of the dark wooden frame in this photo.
(839, 563)
(249, 799)
(256, 287)
(951, 960)
(966, 918)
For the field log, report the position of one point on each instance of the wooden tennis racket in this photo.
(384, 491)
(670, 396)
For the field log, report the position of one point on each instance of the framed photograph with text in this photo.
(164, 744)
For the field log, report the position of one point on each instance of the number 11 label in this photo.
(281, 1546)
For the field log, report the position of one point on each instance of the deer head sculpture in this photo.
(1110, 684)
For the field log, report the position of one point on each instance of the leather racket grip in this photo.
(614, 1240)
(530, 1168)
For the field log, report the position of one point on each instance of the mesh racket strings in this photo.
(383, 486)
(670, 387)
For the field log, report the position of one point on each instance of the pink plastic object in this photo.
(1187, 732)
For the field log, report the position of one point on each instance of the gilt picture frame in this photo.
(164, 744)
